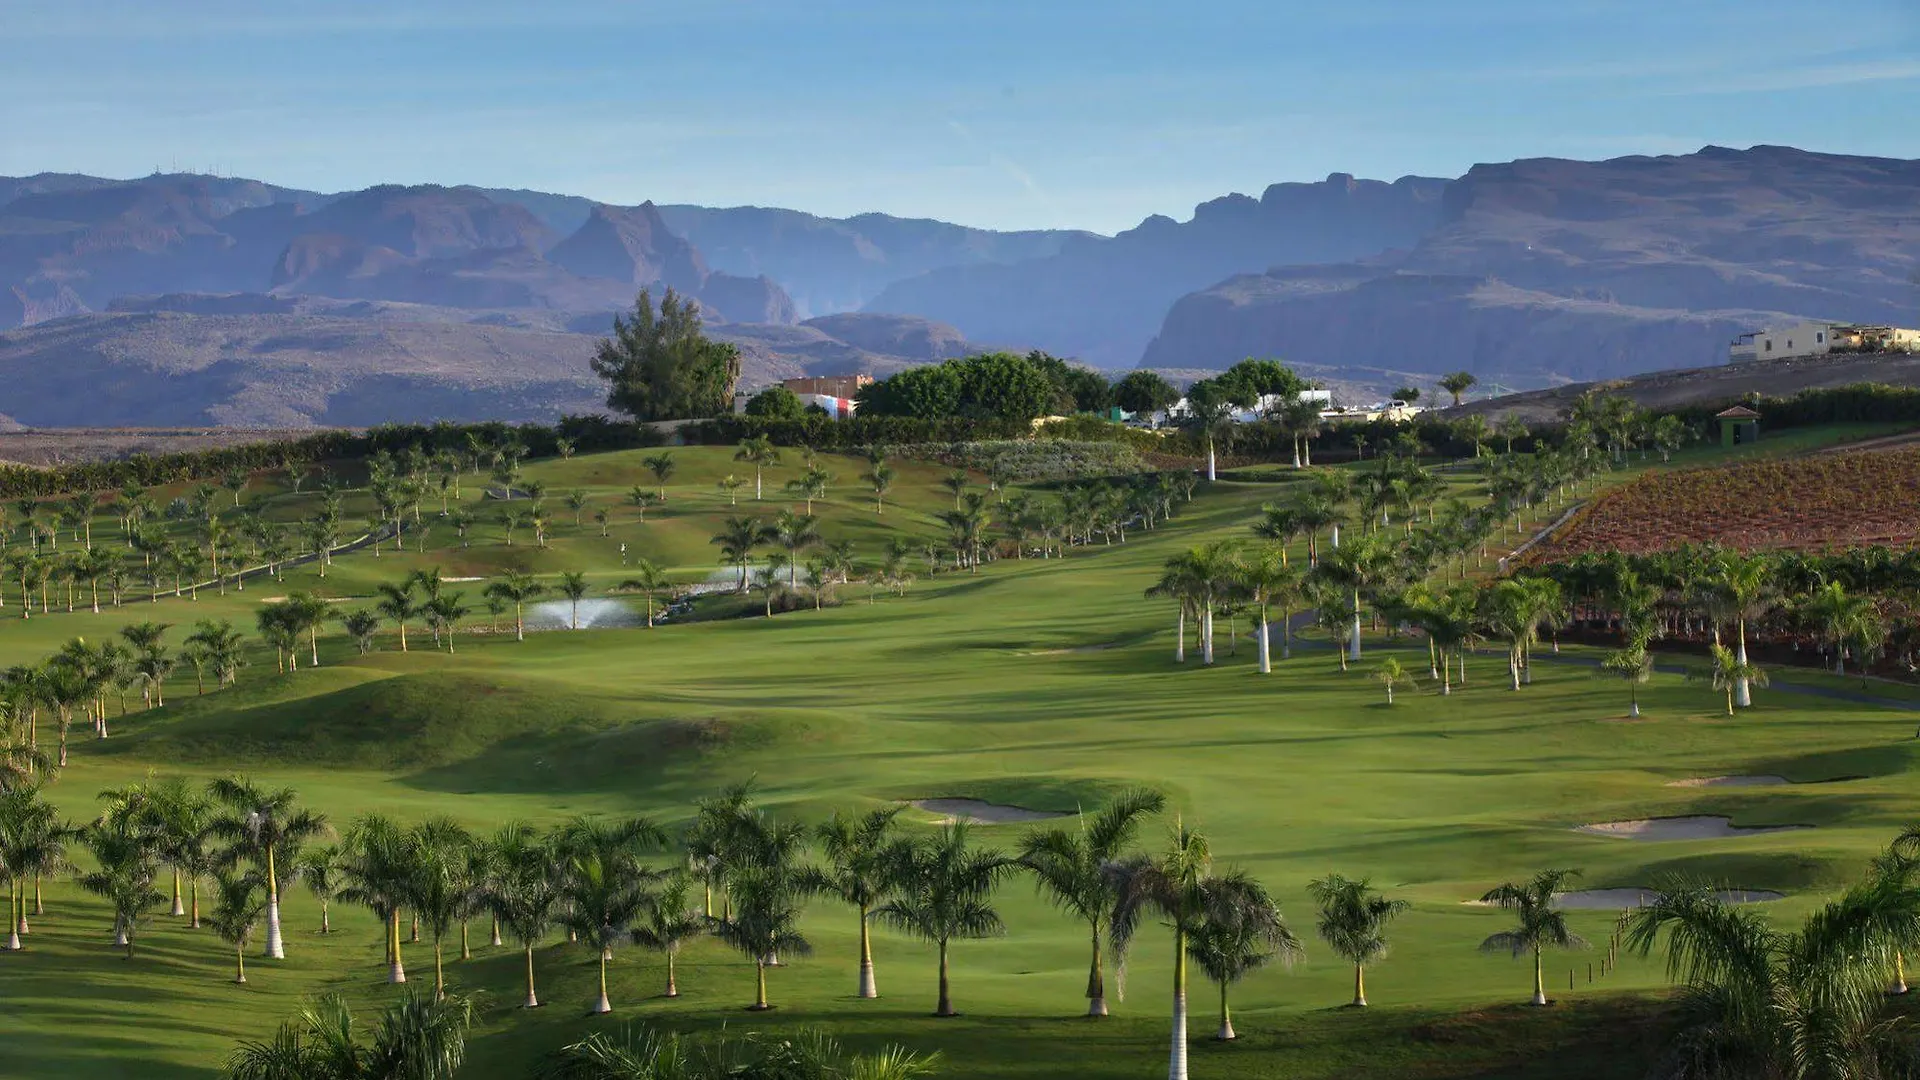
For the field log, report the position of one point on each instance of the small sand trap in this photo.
(463, 579)
(1730, 781)
(1627, 899)
(1700, 827)
(977, 812)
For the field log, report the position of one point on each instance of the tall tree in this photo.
(519, 589)
(658, 365)
(1074, 868)
(1173, 884)
(669, 923)
(262, 823)
(1540, 925)
(604, 886)
(238, 903)
(1241, 932)
(525, 895)
(859, 862)
(943, 891)
(1353, 923)
(759, 452)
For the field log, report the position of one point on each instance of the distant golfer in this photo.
(623, 553)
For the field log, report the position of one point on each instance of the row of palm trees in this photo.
(75, 681)
(737, 873)
(1854, 604)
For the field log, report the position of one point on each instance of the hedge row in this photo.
(148, 470)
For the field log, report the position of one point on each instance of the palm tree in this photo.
(517, 588)
(417, 1038)
(881, 476)
(32, 844)
(308, 611)
(1353, 923)
(1837, 617)
(259, 824)
(443, 614)
(437, 883)
(524, 895)
(576, 501)
(1389, 674)
(766, 887)
(1359, 566)
(1634, 665)
(238, 902)
(1267, 580)
(1744, 590)
(1073, 869)
(1173, 885)
(670, 923)
(361, 626)
(603, 885)
(943, 891)
(1457, 384)
(184, 817)
(321, 870)
(396, 603)
(729, 485)
(757, 451)
(1508, 610)
(647, 579)
(377, 869)
(222, 645)
(1541, 926)
(573, 586)
(1769, 1003)
(126, 851)
(737, 539)
(662, 467)
(859, 862)
(811, 485)
(1242, 931)
(1727, 673)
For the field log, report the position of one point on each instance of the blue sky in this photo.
(1036, 113)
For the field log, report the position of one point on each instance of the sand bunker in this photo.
(1730, 781)
(1625, 899)
(977, 812)
(1699, 827)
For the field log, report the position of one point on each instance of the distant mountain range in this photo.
(196, 299)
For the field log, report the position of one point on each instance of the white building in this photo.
(1268, 404)
(1818, 339)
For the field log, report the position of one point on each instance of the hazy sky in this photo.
(1003, 113)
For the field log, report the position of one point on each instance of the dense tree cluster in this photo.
(659, 366)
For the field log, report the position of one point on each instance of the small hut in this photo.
(1738, 426)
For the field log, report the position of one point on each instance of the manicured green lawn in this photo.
(1042, 683)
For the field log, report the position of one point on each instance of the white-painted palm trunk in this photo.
(1266, 654)
(276, 946)
(1177, 1060)
(1206, 637)
(1742, 690)
(1210, 472)
(867, 987)
(1353, 644)
(1336, 534)
(1180, 637)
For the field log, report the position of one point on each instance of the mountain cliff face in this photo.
(1589, 269)
(839, 264)
(1540, 269)
(1101, 298)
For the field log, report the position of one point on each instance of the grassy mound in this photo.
(406, 721)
